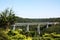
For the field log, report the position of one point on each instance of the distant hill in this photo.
(20, 19)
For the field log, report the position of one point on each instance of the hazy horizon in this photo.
(33, 8)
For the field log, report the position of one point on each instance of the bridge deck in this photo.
(19, 24)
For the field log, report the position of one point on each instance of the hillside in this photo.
(19, 19)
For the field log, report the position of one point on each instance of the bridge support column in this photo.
(27, 27)
(14, 27)
(38, 28)
(47, 26)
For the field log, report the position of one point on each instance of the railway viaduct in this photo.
(38, 25)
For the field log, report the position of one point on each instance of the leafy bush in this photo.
(52, 36)
(13, 35)
(3, 35)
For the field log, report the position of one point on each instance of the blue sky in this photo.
(33, 8)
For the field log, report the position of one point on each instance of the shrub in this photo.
(51, 36)
(3, 35)
(13, 35)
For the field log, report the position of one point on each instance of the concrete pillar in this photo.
(55, 23)
(27, 27)
(38, 28)
(47, 26)
(14, 27)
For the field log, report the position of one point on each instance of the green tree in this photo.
(7, 18)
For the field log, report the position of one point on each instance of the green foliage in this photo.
(3, 35)
(16, 35)
(52, 36)
(30, 33)
(53, 28)
(13, 35)
(7, 18)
